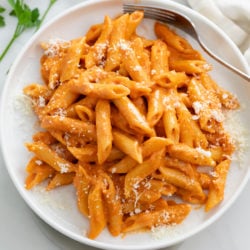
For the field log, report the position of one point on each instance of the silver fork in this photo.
(183, 22)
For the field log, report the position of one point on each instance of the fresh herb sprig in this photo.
(2, 21)
(45, 13)
(26, 18)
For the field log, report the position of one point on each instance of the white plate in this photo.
(58, 208)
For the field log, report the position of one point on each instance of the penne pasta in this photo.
(116, 43)
(159, 59)
(134, 69)
(38, 171)
(135, 124)
(113, 206)
(71, 60)
(141, 171)
(61, 99)
(133, 22)
(82, 183)
(46, 154)
(97, 52)
(99, 90)
(197, 156)
(179, 179)
(155, 106)
(217, 185)
(128, 145)
(70, 125)
(60, 179)
(96, 210)
(134, 118)
(156, 218)
(103, 130)
(172, 39)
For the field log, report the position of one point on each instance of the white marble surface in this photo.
(20, 228)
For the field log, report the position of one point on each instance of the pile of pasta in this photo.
(135, 124)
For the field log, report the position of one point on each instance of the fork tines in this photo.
(151, 12)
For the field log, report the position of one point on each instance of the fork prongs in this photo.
(151, 12)
(183, 22)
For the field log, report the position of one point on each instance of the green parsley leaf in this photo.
(2, 9)
(2, 21)
(12, 13)
(51, 3)
(26, 17)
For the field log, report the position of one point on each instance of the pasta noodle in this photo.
(130, 123)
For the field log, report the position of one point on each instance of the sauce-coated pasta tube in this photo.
(38, 171)
(155, 106)
(61, 99)
(135, 119)
(103, 130)
(159, 59)
(190, 66)
(110, 91)
(113, 206)
(206, 105)
(141, 171)
(137, 89)
(171, 125)
(85, 113)
(46, 154)
(135, 70)
(60, 179)
(133, 21)
(191, 155)
(217, 186)
(128, 145)
(96, 210)
(190, 132)
(97, 53)
(156, 218)
(172, 39)
(70, 125)
(87, 153)
(179, 179)
(116, 41)
(71, 60)
(82, 184)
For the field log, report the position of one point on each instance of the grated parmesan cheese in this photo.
(195, 117)
(41, 102)
(123, 45)
(203, 152)
(217, 115)
(137, 210)
(60, 112)
(54, 46)
(137, 68)
(164, 232)
(197, 106)
(224, 96)
(63, 167)
(57, 201)
(38, 162)
(153, 72)
(239, 134)
(23, 104)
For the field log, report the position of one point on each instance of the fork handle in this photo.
(224, 63)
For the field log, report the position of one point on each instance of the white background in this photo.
(20, 228)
